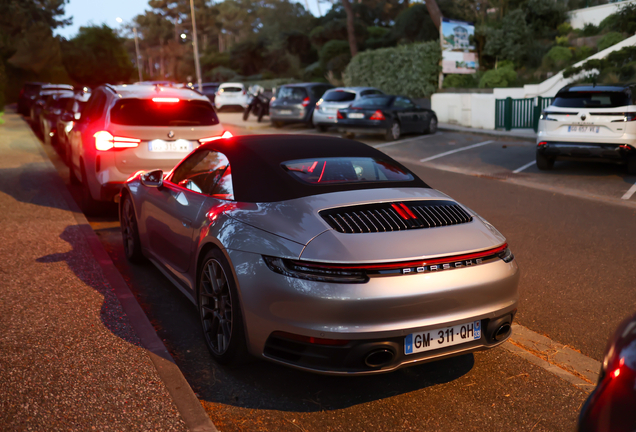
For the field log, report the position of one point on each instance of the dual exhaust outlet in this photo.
(384, 356)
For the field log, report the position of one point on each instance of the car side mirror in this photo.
(152, 178)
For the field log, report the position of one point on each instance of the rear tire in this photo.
(130, 232)
(544, 163)
(220, 310)
(261, 113)
(393, 133)
(90, 206)
(631, 163)
(321, 128)
(432, 126)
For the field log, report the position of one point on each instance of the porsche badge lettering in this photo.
(445, 266)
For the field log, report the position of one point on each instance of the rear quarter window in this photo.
(145, 112)
(231, 89)
(292, 93)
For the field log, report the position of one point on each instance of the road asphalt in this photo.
(70, 357)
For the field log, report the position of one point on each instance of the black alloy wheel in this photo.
(544, 163)
(393, 133)
(432, 126)
(220, 311)
(130, 232)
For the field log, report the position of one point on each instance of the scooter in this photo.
(258, 105)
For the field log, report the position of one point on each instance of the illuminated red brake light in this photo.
(542, 143)
(340, 116)
(305, 101)
(165, 99)
(226, 134)
(105, 141)
(378, 115)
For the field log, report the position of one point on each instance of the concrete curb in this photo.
(187, 403)
(524, 135)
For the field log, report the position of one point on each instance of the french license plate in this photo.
(443, 337)
(356, 115)
(584, 129)
(284, 112)
(168, 146)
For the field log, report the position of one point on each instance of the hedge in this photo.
(411, 70)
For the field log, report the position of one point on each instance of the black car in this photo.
(295, 103)
(44, 92)
(28, 95)
(66, 121)
(209, 90)
(611, 405)
(389, 115)
(51, 111)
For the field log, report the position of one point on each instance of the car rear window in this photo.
(231, 89)
(591, 100)
(144, 112)
(372, 101)
(292, 93)
(345, 170)
(339, 96)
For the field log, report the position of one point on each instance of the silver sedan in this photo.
(322, 254)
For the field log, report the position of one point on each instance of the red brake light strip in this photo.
(391, 266)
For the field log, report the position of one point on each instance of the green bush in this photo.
(609, 39)
(334, 56)
(564, 29)
(377, 32)
(621, 63)
(624, 20)
(411, 70)
(461, 81)
(562, 41)
(500, 77)
(222, 73)
(558, 57)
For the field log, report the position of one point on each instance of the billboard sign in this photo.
(459, 54)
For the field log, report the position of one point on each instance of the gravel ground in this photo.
(69, 358)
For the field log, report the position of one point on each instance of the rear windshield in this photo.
(591, 100)
(144, 112)
(372, 101)
(292, 93)
(231, 90)
(345, 170)
(338, 96)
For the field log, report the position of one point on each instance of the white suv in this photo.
(589, 122)
(127, 128)
(231, 94)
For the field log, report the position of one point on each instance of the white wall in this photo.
(595, 14)
(475, 110)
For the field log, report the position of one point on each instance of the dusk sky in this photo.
(85, 12)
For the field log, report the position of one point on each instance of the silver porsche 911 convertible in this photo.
(322, 254)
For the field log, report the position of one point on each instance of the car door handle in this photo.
(186, 222)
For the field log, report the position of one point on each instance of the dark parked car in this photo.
(295, 103)
(70, 116)
(45, 91)
(611, 405)
(28, 94)
(209, 90)
(391, 116)
(51, 111)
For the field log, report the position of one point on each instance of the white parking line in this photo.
(630, 192)
(528, 165)
(406, 140)
(455, 151)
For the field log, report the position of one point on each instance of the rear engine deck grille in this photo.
(397, 216)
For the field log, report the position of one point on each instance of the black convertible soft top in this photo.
(257, 174)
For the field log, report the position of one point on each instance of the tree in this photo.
(353, 45)
(97, 56)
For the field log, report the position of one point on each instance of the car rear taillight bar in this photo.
(105, 141)
(226, 134)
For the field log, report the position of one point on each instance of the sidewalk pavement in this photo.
(71, 356)
(529, 134)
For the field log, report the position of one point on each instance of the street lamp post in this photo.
(196, 47)
(138, 56)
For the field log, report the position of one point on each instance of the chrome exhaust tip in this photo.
(502, 332)
(379, 358)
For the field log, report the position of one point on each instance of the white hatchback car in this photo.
(589, 122)
(127, 128)
(338, 98)
(231, 94)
